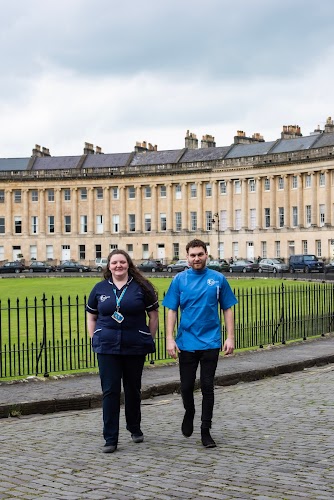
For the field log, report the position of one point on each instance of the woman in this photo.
(117, 311)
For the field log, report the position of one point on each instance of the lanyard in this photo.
(118, 299)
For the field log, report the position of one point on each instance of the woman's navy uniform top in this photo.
(132, 335)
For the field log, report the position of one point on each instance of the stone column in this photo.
(139, 210)
(42, 221)
(300, 198)
(273, 207)
(25, 222)
(58, 212)
(106, 210)
(185, 216)
(314, 207)
(328, 206)
(244, 203)
(287, 208)
(90, 221)
(154, 207)
(230, 214)
(214, 185)
(200, 214)
(9, 212)
(259, 214)
(74, 204)
(169, 207)
(122, 215)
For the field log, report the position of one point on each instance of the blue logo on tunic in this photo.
(212, 282)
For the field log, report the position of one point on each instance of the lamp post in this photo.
(214, 220)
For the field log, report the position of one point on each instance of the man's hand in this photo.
(172, 348)
(228, 346)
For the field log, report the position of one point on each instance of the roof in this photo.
(8, 164)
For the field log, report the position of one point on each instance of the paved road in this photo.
(275, 441)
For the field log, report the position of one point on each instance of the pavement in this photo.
(274, 435)
(78, 392)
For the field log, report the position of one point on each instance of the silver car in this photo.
(273, 266)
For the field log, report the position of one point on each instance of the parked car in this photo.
(12, 267)
(273, 266)
(151, 266)
(180, 265)
(305, 263)
(244, 266)
(218, 265)
(38, 266)
(100, 263)
(329, 268)
(71, 266)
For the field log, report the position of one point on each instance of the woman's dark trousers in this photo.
(188, 362)
(112, 369)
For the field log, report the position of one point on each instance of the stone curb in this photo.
(90, 401)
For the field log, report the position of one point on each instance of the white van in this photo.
(100, 263)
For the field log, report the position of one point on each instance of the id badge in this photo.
(117, 316)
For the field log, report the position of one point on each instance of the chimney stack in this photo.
(329, 127)
(89, 149)
(208, 141)
(291, 132)
(191, 141)
(241, 138)
(98, 150)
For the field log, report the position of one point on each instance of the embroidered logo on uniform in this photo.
(211, 282)
(104, 297)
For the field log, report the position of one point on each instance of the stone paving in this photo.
(275, 440)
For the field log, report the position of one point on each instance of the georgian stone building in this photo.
(252, 198)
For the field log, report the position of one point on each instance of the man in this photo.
(198, 292)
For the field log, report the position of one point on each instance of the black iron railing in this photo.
(43, 336)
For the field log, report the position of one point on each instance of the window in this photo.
(67, 223)
(264, 249)
(99, 224)
(277, 249)
(115, 193)
(99, 193)
(223, 220)
(178, 192)
(132, 222)
(308, 181)
(222, 187)
(208, 220)
(51, 224)
(34, 195)
(237, 219)
(2, 225)
(83, 224)
(322, 179)
(67, 195)
(237, 187)
(266, 218)
(34, 224)
(252, 218)
(193, 221)
(98, 251)
(163, 222)
(294, 182)
(267, 184)
(82, 252)
(318, 248)
(113, 247)
(193, 191)
(208, 190)
(131, 192)
(18, 225)
(235, 249)
(129, 249)
(147, 222)
(281, 216)
(145, 251)
(252, 185)
(2, 196)
(115, 223)
(33, 252)
(308, 216)
(281, 183)
(163, 191)
(147, 191)
(178, 221)
(321, 215)
(17, 196)
(49, 252)
(83, 194)
(51, 195)
(294, 216)
(176, 250)
(304, 247)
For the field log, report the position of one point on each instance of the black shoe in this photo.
(207, 440)
(109, 448)
(187, 427)
(137, 437)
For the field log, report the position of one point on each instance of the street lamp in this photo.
(214, 220)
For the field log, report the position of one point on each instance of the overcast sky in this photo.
(115, 72)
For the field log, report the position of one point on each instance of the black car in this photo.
(244, 266)
(13, 267)
(218, 265)
(38, 266)
(151, 266)
(329, 268)
(69, 266)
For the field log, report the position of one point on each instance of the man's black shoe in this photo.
(109, 448)
(137, 437)
(187, 426)
(207, 440)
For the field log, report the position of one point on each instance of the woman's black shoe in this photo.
(207, 440)
(187, 426)
(109, 448)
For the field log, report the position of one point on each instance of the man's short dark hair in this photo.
(196, 243)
